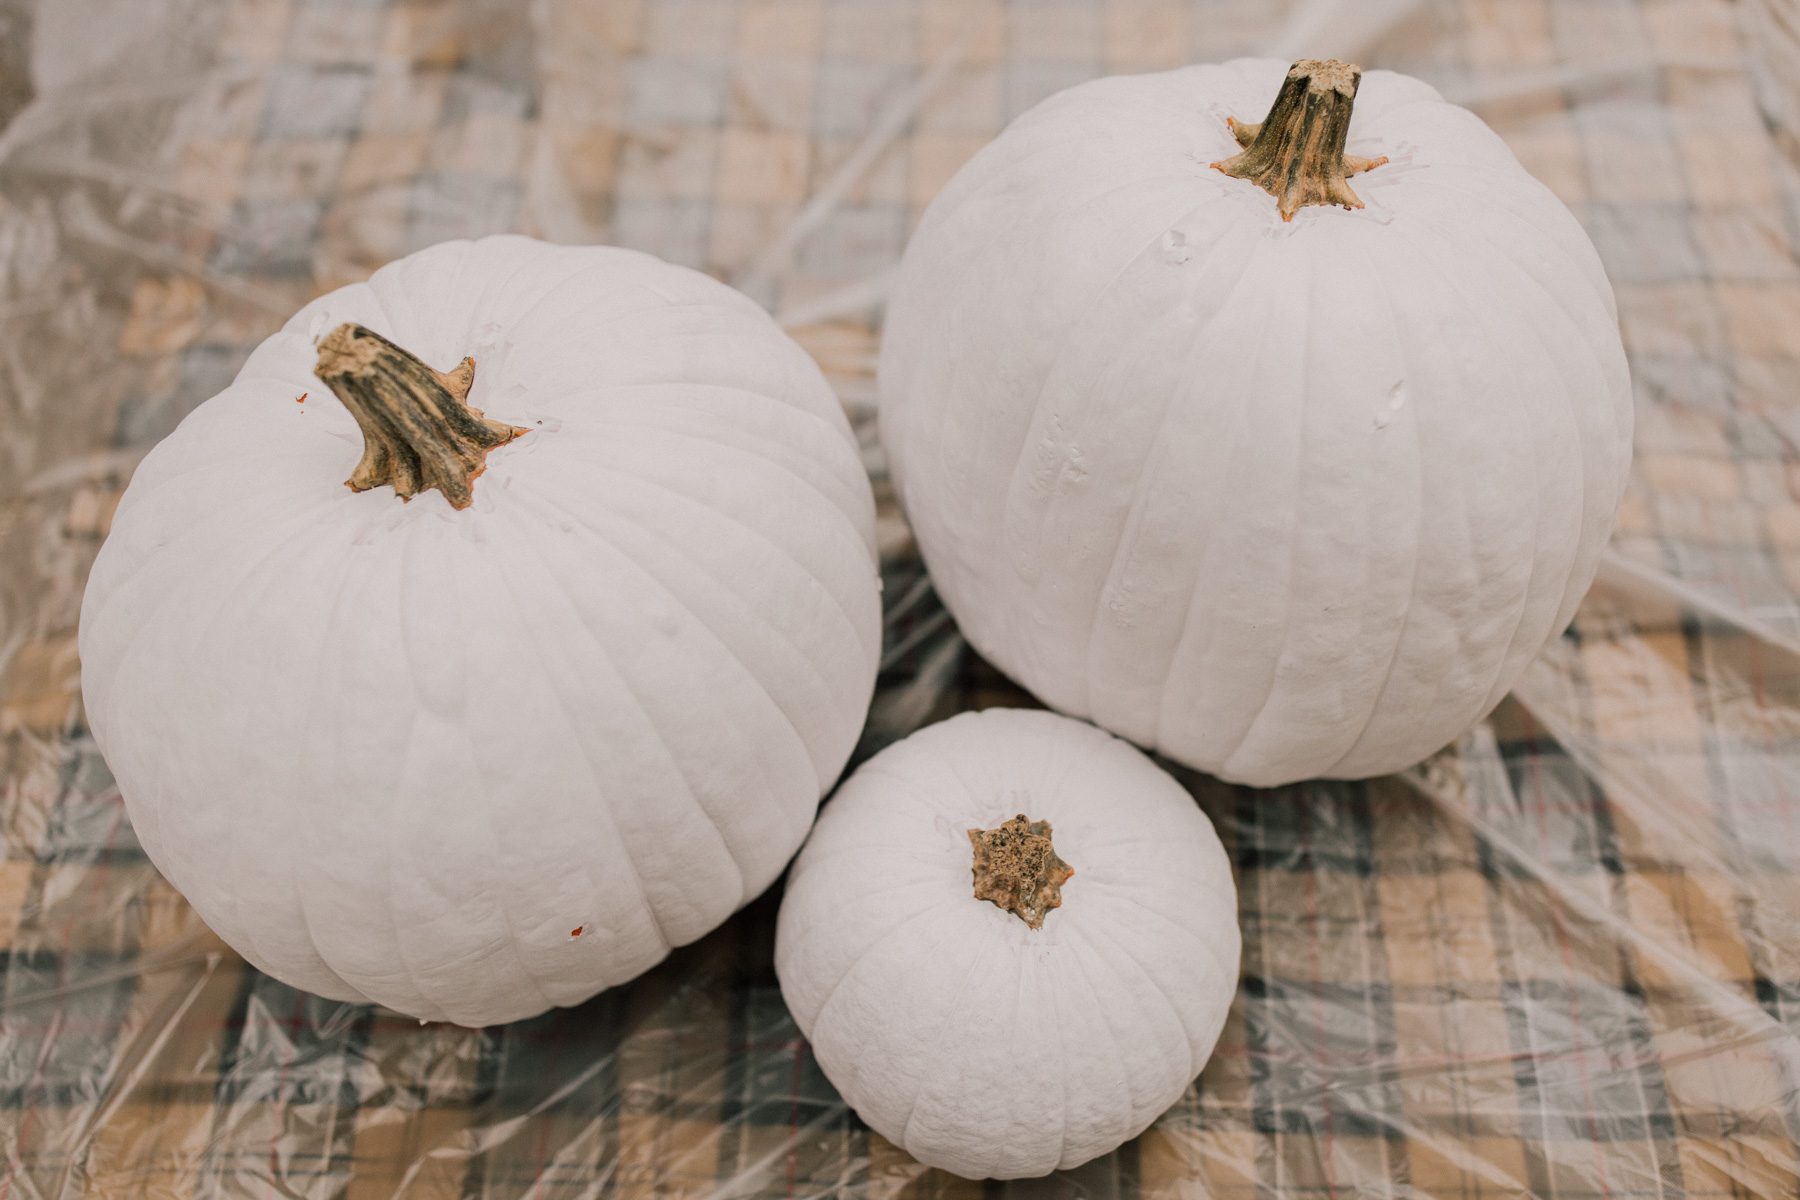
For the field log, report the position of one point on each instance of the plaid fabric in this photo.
(1562, 959)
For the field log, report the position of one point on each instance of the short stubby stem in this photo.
(1296, 153)
(1016, 868)
(419, 431)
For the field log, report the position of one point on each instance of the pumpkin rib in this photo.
(1572, 588)
(630, 690)
(1168, 921)
(1569, 406)
(734, 520)
(574, 267)
(498, 901)
(874, 944)
(737, 450)
(1061, 1039)
(1131, 518)
(1433, 263)
(1412, 588)
(735, 447)
(604, 795)
(1103, 137)
(901, 920)
(326, 654)
(942, 314)
(983, 957)
(220, 515)
(1072, 930)
(743, 328)
(172, 597)
(724, 647)
(279, 554)
(1261, 708)
(1134, 508)
(1020, 471)
(360, 578)
(1146, 986)
(1502, 252)
(606, 806)
(1528, 419)
(926, 1080)
(1503, 212)
(1245, 399)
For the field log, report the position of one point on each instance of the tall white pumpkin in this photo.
(1279, 498)
(473, 763)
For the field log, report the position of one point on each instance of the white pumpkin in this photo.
(1280, 498)
(961, 1031)
(474, 762)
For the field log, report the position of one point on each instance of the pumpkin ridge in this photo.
(1199, 559)
(1600, 287)
(1076, 954)
(1433, 262)
(1412, 588)
(139, 615)
(731, 519)
(511, 948)
(1225, 970)
(1273, 661)
(674, 760)
(1105, 1011)
(868, 950)
(725, 645)
(1569, 407)
(1131, 517)
(355, 576)
(978, 960)
(1020, 472)
(319, 669)
(755, 619)
(752, 453)
(587, 760)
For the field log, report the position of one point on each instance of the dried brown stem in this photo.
(1296, 153)
(1017, 869)
(418, 429)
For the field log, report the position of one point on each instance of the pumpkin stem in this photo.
(1296, 153)
(418, 429)
(1017, 869)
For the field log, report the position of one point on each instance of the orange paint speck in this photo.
(301, 398)
(576, 932)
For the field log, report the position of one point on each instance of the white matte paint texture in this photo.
(1279, 500)
(958, 1032)
(395, 752)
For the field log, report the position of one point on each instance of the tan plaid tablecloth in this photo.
(1562, 959)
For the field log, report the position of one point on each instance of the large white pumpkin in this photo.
(1279, 498)
(473, 763)
(1008, 1042)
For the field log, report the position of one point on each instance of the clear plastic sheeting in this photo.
(1560, 959)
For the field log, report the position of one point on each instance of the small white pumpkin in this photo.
(1279, 487)
(977, 1004)
(471, 760)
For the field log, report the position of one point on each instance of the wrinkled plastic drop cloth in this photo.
(1560, 959)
